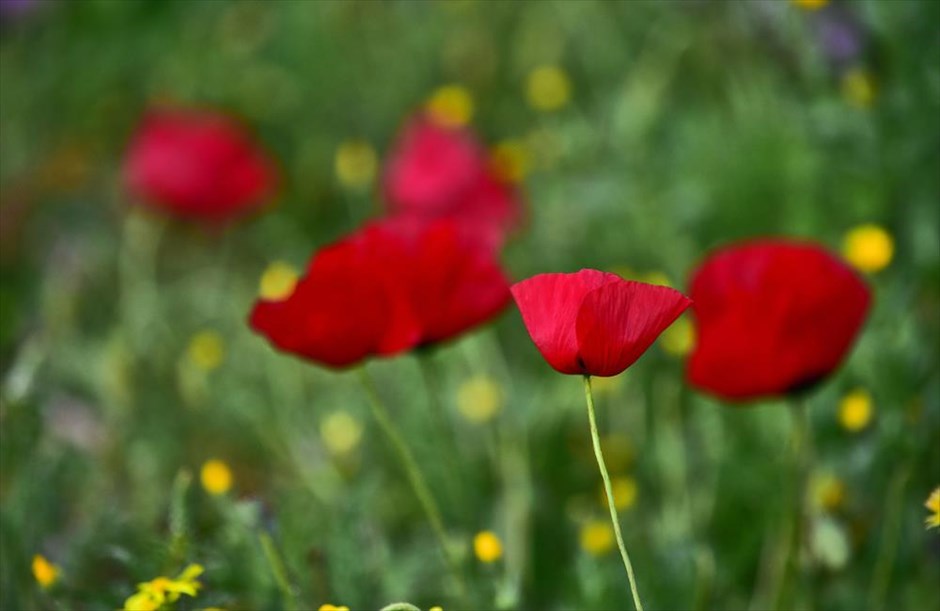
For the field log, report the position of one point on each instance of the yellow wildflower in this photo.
(329, 607)
(828, 491)
(810, 5)
(855, 410)
(340, 432)
(869, 248)
(450, 106)
(597, 537)
(151, 595)
(479, 399)
(277, 281)
(678, 339)
(858, 88)
(933, 504)
(216, 477)
(510, 160)
(548, 88)
(355, 163)
(45, 572)
(206, 350)
(487, 546)
(625, 492)
(142, 601)
(436, 608)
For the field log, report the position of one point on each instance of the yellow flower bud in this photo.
(548, 88)
(45, 573)
(450, 106)
(206, 350)
(216, 477)
(479, 399)
(355, 163)
(277, 281)
(487, 546)
(855, 410)
(597, 537)
(868, 248)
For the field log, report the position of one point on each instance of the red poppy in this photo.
(773, 317)
(435, 171)
(198, 165)
(385, 289)
(452, 281)
(592, 322)
(342, 311)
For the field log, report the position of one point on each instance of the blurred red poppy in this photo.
(773, 317)
(198, 165)
(343, 310)
(389, 287)
(453, 280)
(592, 322)
(434, 171)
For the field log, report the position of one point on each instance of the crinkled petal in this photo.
(617, 322)
(549, 304)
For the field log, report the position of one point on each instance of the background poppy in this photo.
(198, 165)
(773, 317)
(439, 171)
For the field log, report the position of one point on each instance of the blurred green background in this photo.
(126, 362)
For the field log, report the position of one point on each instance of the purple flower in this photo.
(841, 36)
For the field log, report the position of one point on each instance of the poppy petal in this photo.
(549, 304)
(438, 172)
(454, 281)
(385, 256)
(197, 164)
(773, 316)
(337, 314)
(617, 322)
(430, 167)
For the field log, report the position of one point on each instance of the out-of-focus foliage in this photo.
(646, 132)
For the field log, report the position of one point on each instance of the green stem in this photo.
(610, 493)
(415, 477)
(889, 537)
(278, 570)
(178, 521)
(430, 377)
(445, 438)
(786, 560)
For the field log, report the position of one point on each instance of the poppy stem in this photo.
(589, 397)
(787, 557)
(415, 477)
(802, 459)
(445, 438)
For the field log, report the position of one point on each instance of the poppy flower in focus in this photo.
(198, 165)
(592, 322)
(342, 311)
(440, 171)
(774, 317)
